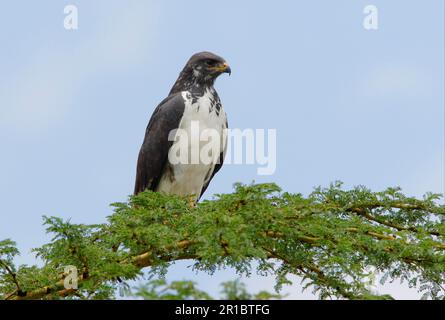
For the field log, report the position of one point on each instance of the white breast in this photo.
(190, 177)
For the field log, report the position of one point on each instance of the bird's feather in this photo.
(153, 154)
(216, 168)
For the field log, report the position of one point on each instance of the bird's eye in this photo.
(210, 63)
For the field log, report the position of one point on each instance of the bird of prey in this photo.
(192, 100)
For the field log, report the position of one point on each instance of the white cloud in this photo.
(42, 88)
(429, 176)
(396, 79)
(35, 96)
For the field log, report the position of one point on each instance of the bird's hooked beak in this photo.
(223, 68)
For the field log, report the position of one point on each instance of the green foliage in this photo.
(236, 290)
(159, 289)
(8, 272)
(330, 238)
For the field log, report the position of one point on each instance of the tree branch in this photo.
(323, 237)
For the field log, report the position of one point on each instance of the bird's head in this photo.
(202, 69)
(207, 64)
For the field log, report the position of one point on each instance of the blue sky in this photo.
(364, 107)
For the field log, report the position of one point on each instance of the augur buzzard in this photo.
(192, 99)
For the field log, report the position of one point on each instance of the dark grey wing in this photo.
(216, 168)
(153, 154)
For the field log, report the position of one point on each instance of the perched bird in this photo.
(192, 101)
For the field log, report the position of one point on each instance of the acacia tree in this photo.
(330, 238)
